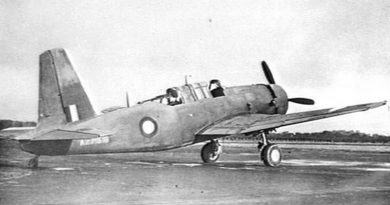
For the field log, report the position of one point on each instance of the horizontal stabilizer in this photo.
(69, 135)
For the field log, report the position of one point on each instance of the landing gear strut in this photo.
(270, 153)
(211, 151)
(33, 162)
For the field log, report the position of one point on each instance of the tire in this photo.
(211, 152)
(271, 155)
(33, 163)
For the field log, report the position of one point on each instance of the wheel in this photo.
(271, 155)
(33, 163)
(210, 152)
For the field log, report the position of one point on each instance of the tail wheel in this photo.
(33, 162)
(271, 155)
(210, 152)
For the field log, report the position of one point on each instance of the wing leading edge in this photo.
(248, 123)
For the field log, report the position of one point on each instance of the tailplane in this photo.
(62, 98)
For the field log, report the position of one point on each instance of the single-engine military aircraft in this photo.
(67, 123)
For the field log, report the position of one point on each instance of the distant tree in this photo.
(10, 123)
(5, 124)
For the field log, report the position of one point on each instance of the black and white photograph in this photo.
(194, 102)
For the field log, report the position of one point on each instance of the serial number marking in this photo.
(99, 140)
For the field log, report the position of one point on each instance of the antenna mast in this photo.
(127, 100)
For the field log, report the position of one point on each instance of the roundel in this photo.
(148, 127)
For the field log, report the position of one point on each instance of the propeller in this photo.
(303, 101)
(267, 72)
(271, 80)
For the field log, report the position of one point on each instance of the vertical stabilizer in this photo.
(62, 98)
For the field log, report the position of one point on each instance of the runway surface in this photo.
(310, 174)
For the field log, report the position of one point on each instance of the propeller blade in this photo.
(271, 80)
(267, 72)
(303, 101)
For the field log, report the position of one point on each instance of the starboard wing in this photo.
(249, 123)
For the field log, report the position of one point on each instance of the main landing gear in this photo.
(211, 151)
(33, 162)
(270, 154)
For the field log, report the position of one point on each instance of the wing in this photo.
(248, 123)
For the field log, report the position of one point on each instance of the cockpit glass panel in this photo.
(199, 92)
(187, 93)
(206, 91)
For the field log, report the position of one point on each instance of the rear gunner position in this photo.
(67, 123)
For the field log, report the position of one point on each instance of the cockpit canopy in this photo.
(185, 94)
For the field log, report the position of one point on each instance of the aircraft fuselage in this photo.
(155, 127)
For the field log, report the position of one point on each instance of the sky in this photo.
(335, 52)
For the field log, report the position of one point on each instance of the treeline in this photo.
(10, 123)
(325, 136)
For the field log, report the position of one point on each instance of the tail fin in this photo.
(62, 98)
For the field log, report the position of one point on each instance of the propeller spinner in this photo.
(271, 80)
